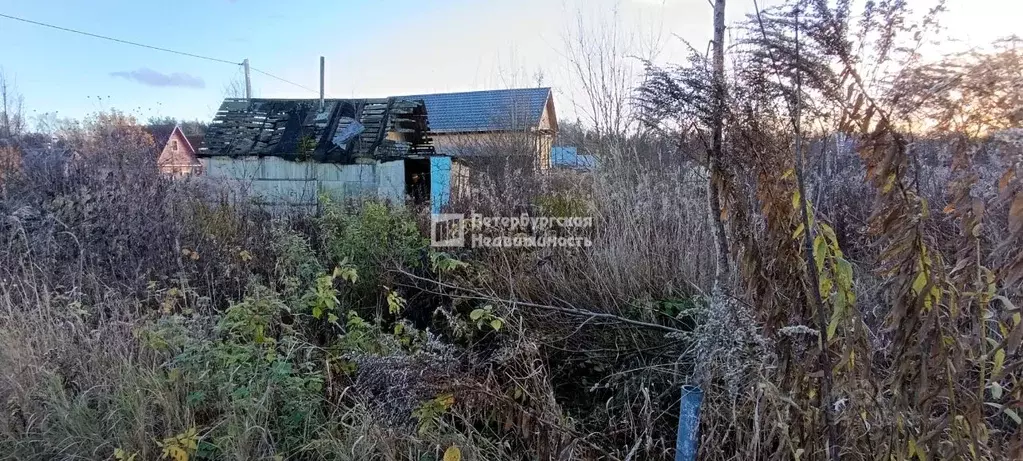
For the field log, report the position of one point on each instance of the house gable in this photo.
(177, 152)
(549, 119)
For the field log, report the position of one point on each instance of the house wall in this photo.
(469, 144)
(544, 144)
(279, 182)
(545, 119)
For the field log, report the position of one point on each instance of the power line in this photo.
(283, 80)
(127, 42)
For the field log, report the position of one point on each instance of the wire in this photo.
(65, 29)
(127, 42)
(281, 79)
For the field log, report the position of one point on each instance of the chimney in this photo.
(321, 82)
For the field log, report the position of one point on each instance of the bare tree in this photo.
(234, 88)
(12, 122)
(601, 58)
(714, 155)
(46, 122)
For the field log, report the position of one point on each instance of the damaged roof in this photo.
(490, 110)
(161, 134)
(296, 129)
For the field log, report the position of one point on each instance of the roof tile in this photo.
(484, 110)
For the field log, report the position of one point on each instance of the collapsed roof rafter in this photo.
(298, 129)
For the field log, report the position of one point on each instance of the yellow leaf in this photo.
(919, 282)
(829, 233)
(175, 453)
(843, 274)
(453, 453)
(888, 184)
(819, 252)
(836, 316)
(446, 400)
(121, 455)
(999, 362)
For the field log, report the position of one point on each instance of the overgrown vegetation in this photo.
(870, 209)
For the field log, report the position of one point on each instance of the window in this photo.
(174, 145)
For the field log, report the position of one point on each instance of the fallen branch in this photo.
(474, 294)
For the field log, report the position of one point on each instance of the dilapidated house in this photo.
(292, 151)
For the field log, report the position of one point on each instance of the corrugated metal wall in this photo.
(299, 184)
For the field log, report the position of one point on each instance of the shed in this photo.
(291, 151)
(569, 157)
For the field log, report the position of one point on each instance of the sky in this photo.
(372, 48)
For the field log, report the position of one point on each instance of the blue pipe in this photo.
(687, 442)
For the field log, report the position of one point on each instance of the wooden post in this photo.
(322, 64)
(248, 80)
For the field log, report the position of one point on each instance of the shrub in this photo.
(374, 238)
(254, 382)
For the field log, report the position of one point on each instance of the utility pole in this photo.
(322, 65)
(248, 80)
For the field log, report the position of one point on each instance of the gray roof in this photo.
(296, 129)
(491, 110)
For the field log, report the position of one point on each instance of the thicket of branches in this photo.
(899, 335)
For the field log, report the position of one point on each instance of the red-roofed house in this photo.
(178, 155)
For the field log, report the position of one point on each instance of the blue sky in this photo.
(72, 74)
(373, 48)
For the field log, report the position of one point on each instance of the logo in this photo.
(447, 230)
